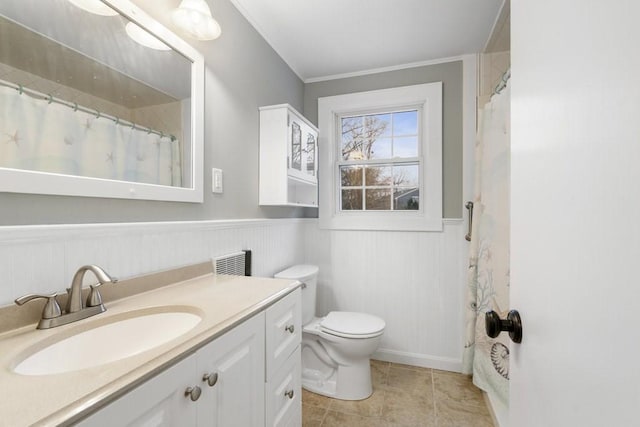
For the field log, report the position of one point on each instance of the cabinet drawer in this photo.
(283, 394)
(283, 331)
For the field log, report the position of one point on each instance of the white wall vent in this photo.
(235, 264)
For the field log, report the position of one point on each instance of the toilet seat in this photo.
(348, 324)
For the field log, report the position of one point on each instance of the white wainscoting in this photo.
(39, 259)
(415, 281)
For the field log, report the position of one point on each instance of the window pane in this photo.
(405, 176)
(378, 149)
(351, 200)
(296, 146)
(378, 200)
(377, 125)
(377, 175)
(311, 154)
(351, 176)
(406, 199)
(406, 146)
(405, 123)
(351, 143)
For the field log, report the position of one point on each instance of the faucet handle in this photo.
(51, 308)
(94, 298)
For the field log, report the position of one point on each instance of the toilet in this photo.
(335, 348)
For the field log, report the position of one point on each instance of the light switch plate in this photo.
(216, 180)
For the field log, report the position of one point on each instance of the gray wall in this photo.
(243, 73)
(450, 74)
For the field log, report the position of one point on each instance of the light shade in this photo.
(144, 38)
(94, 6)
(194, 17)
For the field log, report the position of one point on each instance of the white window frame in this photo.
(428, 98)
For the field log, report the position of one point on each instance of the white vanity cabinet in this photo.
(288, 158)
(225, 383)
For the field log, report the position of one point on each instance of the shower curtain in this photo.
(488, 275)
(49, 137)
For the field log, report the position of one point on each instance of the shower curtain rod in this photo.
(503, 82)
(75, 107)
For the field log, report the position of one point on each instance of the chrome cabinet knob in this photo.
(51, 308)
(193, 393)
(289, 394)
(289, 328)
(210, 379)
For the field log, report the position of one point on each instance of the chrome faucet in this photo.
(52, 316)
(74, 299)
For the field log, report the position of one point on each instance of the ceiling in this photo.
(320, 39)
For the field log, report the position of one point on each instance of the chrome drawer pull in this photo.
(193, 393)
(289, 328)
(289, 394)
(210, 379)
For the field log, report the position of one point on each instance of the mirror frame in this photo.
(34, 182)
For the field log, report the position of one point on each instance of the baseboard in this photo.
(416, 359)
(498, 410)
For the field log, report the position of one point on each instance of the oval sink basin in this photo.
(107, 343)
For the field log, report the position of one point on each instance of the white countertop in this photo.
(221, 301)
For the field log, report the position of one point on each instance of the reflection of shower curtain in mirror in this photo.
(41, 136)
(488, 276)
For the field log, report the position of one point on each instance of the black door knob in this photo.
(512, 324)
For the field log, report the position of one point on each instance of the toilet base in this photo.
(344, 383)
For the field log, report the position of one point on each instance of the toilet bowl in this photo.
(335, 348)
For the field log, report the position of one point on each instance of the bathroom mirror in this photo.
(97, 99)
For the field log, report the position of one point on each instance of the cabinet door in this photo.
(284, 400)
(159, 402)
(283, 330)
(235, 364)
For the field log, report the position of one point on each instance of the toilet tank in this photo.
(308, 275)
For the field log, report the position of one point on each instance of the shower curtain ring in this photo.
(20, 89)
(97, 114)
(161, 134)
(75, 107)
(117, 120)
(50, 99)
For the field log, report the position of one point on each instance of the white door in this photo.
(575, 225)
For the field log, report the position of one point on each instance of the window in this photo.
(381, 159)
(379, 166)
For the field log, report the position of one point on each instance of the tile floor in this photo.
(403, 396)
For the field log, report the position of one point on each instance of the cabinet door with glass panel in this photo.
(303, 139)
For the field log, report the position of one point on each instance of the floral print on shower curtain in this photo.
(488, 275)
(49, 137)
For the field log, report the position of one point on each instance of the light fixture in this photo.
(143, 37)
(94, 6)
(194, 17)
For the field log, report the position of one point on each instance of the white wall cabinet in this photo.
(225, 383)
(288, 158)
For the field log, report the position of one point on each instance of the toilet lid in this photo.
(352, 324)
